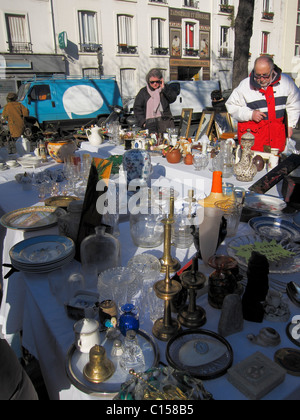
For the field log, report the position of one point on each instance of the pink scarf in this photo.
(154, 108)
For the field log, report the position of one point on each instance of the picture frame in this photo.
(185, 122)
(223, 123)
(205, 124)
(175, 42)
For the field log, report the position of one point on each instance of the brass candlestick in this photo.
(164, 328)
(192, 316)
(167, 260)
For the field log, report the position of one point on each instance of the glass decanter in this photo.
(101, 249)
(146, 228)
(226, 159)
(132, 357)
(181, 231)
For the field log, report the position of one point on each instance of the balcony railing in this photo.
(20, 47)
(191, 52)
(127, 49)
(192, 3)
(226, 8)
(160, 51)
(90, 47)
(159, 1)
(268, 15)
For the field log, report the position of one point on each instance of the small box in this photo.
(83, 305)
(256, 376)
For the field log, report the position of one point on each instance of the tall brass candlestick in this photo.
(167, 260)
(166, 327)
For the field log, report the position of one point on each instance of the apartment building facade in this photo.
(186, 39)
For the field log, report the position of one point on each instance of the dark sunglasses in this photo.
(262, 76)
(155, 81)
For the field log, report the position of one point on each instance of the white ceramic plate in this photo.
(29, 161)
(30, 218)
(265, 203)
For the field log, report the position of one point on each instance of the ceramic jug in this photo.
(94, 136)
(23, 146)
(246, 170)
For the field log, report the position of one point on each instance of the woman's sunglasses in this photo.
(155, 81)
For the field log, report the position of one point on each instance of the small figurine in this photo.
(257, 288)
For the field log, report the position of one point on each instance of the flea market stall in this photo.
(175, 285)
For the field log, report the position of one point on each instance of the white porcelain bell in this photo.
(94, 136)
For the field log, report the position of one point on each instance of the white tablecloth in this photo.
(47, 332)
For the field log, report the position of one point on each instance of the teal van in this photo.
(69, 102)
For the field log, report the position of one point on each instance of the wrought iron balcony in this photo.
(268, 15)
(226, 8)
(20, 47)
(191, 52)
(191, 3)
(160, 51)
(127, 49)
(159, 1)
(90, 47)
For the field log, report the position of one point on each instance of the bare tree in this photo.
(243, 33)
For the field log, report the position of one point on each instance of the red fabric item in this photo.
(270, 132)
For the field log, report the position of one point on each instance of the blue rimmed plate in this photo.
(275, 228)
(42, 252)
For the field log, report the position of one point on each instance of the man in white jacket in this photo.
(267, 103)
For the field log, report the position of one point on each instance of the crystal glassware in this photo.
(132, 357)
(100, 244)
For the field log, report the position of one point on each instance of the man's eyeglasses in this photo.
(262, 76)
(155, 81)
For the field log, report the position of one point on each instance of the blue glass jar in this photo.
(129, 319)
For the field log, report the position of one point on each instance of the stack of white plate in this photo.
(42, 254)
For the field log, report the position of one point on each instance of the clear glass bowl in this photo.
(147, 266)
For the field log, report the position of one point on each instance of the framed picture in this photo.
(185, 122)
(175, 42)
(204, 44)
(223, 123)
(205, 124)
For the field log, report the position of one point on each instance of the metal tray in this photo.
(203, 354)
(75, 362)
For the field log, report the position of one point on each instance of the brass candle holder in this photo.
(164, 328)
(167, 260)
(192, 316)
